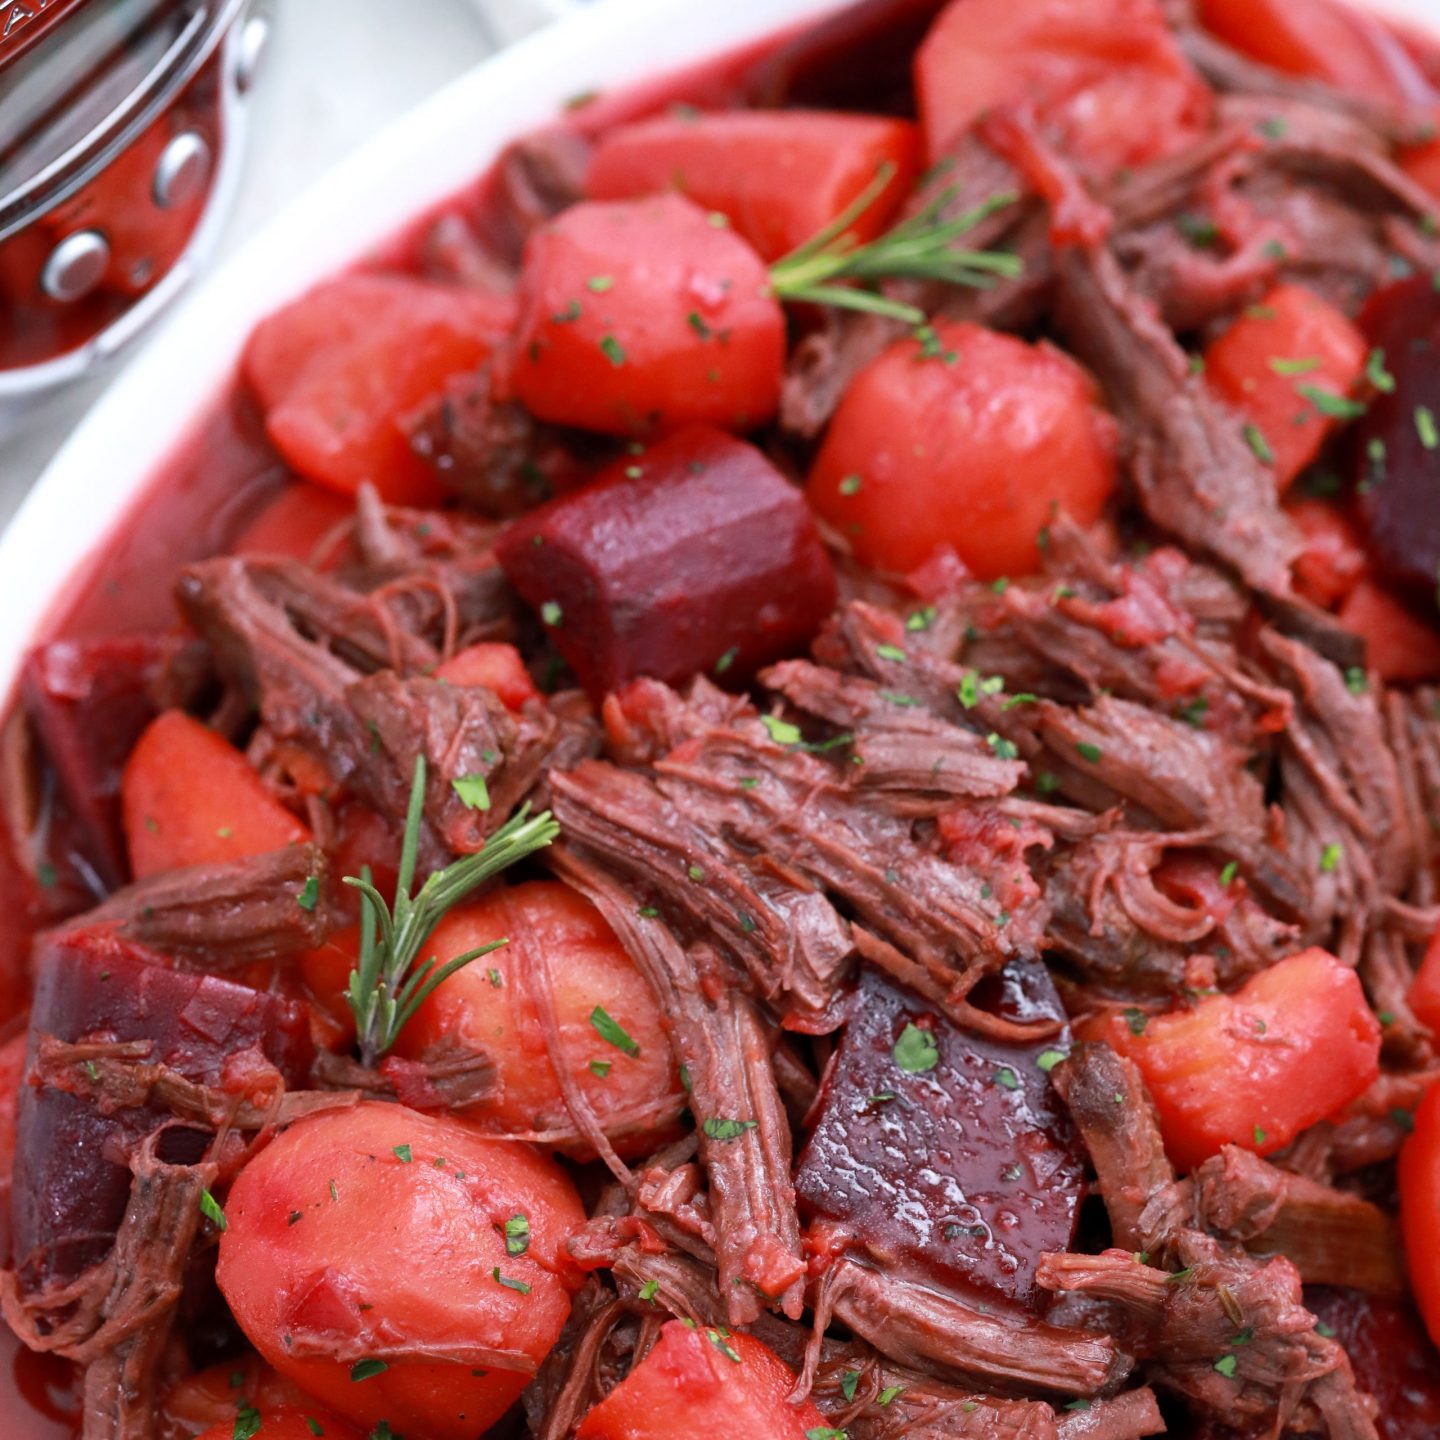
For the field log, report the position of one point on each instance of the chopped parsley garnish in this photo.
(1226, 1365)
(1377, 374)
(210, 1209)
(891, 652)
(1087, 751)
(1004, 749)
(718, 1128)
(921, 619)
(600, 1068)
(519, 1286)
(1136, 1019)
(1227, 875)
(726, 660)
(612, 350)
(1328, 403)
(696, 321)
(782, 732)
(719, 1337)
(1425, 427)
(404, 1154)
(1047, 1060)
(1301, 366)
(247, 1423)
(474, 793)
(1006, 1078)
(850, 485)
(551, 614)
(309, 896)
(916, 1051)
(1330, 857)
(611, 1030)
(599, 284)
(1258, 444)
(648, 1290)
(848, 1383)
(1259, 1136)
(517, 1234)
(367, 1369)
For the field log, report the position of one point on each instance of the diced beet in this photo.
(1396, 454)
(1393, 1357)
(963, 1173)
(70, 1180)
(697, 555)
(89, 700)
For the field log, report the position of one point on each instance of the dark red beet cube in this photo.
(694, 556)
(960, 1174)
(89, 700)
(71, 1180)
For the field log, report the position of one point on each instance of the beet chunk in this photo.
(71, 1179)
(962, 1173)
(89, 701)
(696, 556)
(1396, 444)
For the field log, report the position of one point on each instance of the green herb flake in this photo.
(1136, 1019)
(1006, 1078)
(849, 1382)
(599, 284)
(1377, 374)
(551, 614)
(1301, 366)
(1004, 749)
(611, 1030)
(600, 1068)
(888, 1394)
(1425, 427)
(1328, 403)
(210, 1209)
(1087, 751)
(1405, 1119)
(649, 1290)
(314, 1426)
(517, 1234)
(612, 350)
(247, 1423)
(1228, 874)
(1226, 1365)
(696, 322)
(309, 896)
(719, 1337)
(921, 619)
(1328, 1331)
(1259, 1135)
(916, 1051)
(1047, 1060)
(782, 732)
(695, 873)
(726, 660)
(519, 1286)
(474, 793)
(891, 652)
(1259, 445)
(1330, 857)
(404, 1154)
(367, 1369)
(721, 1129)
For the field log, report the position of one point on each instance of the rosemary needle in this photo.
(386, 985)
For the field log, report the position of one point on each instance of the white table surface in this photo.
(335, 72)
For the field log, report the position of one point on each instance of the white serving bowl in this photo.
(410, 166)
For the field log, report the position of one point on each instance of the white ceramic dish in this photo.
(420, 160)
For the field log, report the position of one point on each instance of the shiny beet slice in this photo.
(697, 555)
(70, 1179)
(1396, 446)
(89, 700)
(1393, 1357)
(961, 1173)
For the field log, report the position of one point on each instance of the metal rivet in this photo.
(76, 266)
(182, 171)
(250, 51)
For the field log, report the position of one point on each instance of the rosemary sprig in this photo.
(920, 248)
(386, 986)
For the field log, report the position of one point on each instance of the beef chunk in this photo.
(962, 1173)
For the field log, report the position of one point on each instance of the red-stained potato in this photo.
(341, 372)
(497, 667)
(1399, 646)
(973, 440)
(644, 316)
(189, 797)
(1294, 1044)
(1288, 365)
(210, 1401)
(610, 1029)
(704, 1382)
(401, 1267)
(281, 1424)
(781, 176)
(1105, 76)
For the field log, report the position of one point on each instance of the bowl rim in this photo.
(415, 162)
(104, 469)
